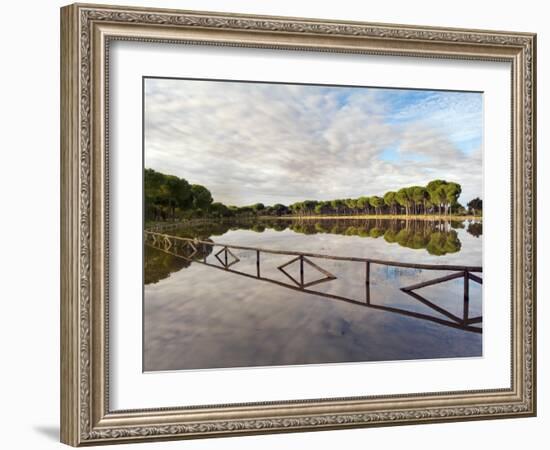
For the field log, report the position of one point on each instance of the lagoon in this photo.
(199, 317)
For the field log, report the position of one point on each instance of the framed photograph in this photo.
(278, 224)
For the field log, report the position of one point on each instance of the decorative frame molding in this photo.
(86, 31)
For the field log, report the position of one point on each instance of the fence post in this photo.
(301, 271)
(466, 296)
(367, 281)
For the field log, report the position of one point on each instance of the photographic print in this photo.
(291, 224)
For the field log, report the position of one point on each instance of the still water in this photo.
(199, 316)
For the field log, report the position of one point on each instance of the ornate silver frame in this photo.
(86, 31)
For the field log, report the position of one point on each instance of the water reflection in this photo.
(205, 318)
(436, 237)
(160, 264)
(195, 250)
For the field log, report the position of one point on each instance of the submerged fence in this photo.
(198, 251)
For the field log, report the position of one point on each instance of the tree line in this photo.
(437, 197)
(168, 197)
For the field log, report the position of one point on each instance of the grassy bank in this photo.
(206, 220)
(379, 216)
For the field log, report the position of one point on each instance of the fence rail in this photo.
(322, 256)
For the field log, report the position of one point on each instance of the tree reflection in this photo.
(475, 229)
(443, 243)
(158, 264)
(436, 237)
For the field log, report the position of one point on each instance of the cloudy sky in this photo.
(277, 143)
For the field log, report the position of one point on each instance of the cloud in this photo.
(259, 142)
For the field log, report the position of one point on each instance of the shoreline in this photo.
(378, 217)
(402, 217)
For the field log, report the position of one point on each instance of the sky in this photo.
(283, 143)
